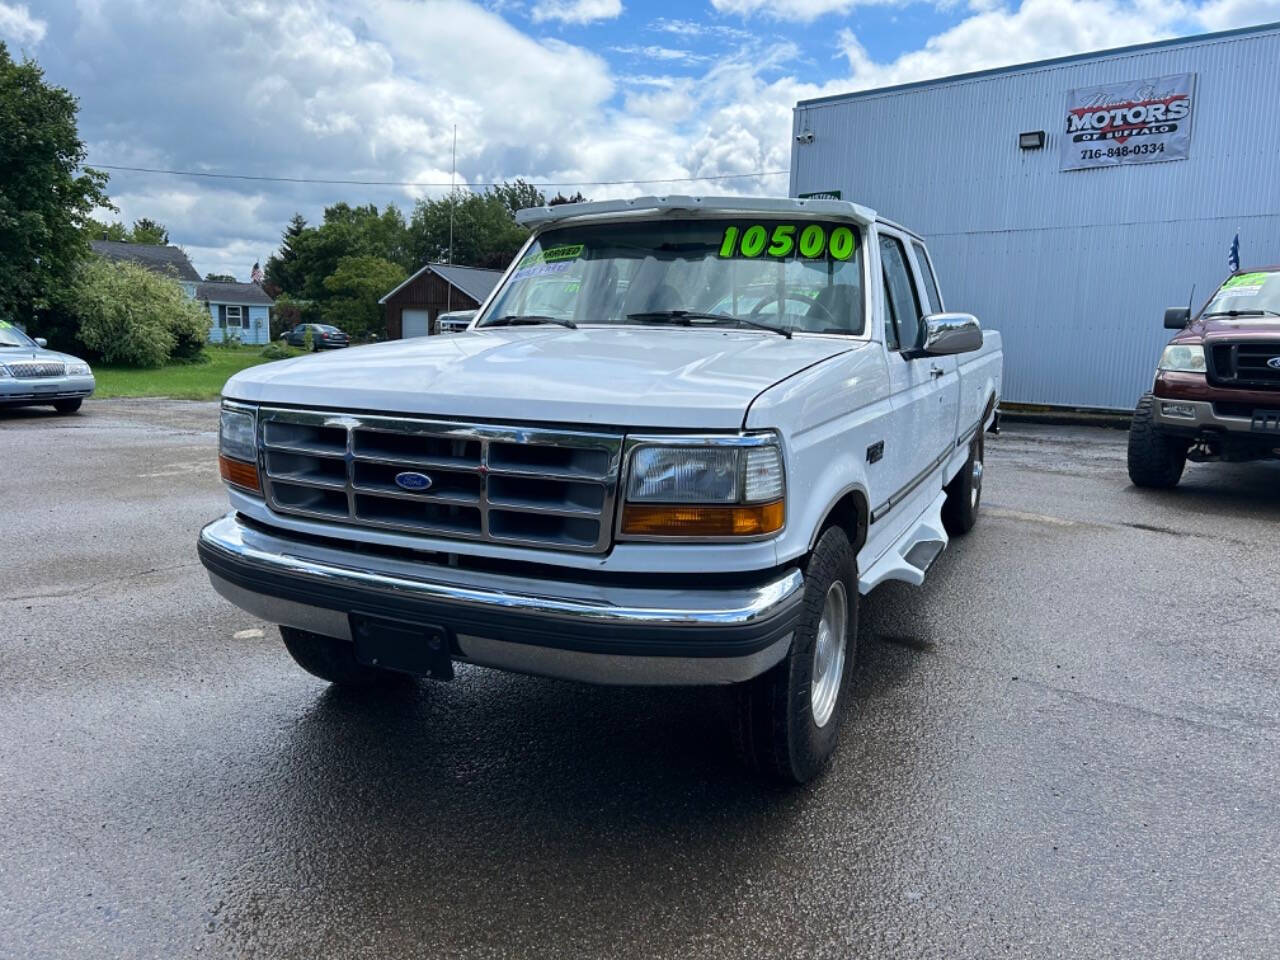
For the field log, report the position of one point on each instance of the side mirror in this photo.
(1175, 318)
(949, 333)
(41, 341)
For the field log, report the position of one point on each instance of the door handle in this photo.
(936, 372)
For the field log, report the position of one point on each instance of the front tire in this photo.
(964, 492)
(787, 721)
(1155, 460)
(68, 406)
(334, 659)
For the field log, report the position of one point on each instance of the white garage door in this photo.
(415, 323)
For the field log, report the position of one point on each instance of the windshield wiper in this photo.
(685, 318)
(528, 319)
(1243, 313)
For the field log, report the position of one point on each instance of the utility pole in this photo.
(453, 199)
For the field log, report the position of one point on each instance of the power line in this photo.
(415, 183)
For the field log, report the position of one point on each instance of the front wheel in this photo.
(787, 721)
(1155, 460)
(334, 659)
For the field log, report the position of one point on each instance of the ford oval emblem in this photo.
(1274, 363)
(413, 481)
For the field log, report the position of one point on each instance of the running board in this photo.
(910, 558)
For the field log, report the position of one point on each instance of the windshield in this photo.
(11, 336)
(1248, 293)
(801, 275)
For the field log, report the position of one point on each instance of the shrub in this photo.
(133, 317)
(276, 351)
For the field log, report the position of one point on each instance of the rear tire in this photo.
(68, 406)
(334, 659)
(787, 721)
(964, 492)
(1155, 460)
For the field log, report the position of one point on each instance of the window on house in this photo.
(235, 316)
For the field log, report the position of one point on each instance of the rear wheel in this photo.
(964, 492)
(334, 659)
(788, 720)
(1155, 460)
(68, 406)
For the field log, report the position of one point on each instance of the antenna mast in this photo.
(453, 199)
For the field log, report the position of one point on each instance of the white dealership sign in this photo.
(1141, 121)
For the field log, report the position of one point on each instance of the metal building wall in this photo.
(1074, 267)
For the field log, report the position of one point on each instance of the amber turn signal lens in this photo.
(239, 474)
(648, 520)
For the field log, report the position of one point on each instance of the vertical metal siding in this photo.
(1074, 267)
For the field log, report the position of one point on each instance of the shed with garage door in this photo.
(1068, 202)
(414, 307)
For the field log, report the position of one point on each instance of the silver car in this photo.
(31, 375)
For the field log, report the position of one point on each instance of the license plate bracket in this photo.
(1266, 421)
(422, 649)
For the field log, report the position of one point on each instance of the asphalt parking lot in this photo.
(1066, 744)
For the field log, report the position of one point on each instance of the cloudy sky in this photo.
(556, 91)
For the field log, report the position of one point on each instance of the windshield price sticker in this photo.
(569, 251)
(812, 241)
(540, 270)
(1245, 285)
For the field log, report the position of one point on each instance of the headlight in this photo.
(730, 487)
(77, 368)
(1185, 358)
(238, 448)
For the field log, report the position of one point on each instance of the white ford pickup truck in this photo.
(676, 443)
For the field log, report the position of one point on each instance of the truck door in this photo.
(924, 389)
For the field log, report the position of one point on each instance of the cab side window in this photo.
(900, 290)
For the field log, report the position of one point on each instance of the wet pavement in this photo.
(1066, 744)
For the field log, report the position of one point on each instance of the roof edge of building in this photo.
(1271, 27)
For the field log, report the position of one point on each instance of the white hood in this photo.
(593, 376)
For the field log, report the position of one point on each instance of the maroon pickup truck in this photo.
(1217, 389)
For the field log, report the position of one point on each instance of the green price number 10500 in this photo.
(786, 238)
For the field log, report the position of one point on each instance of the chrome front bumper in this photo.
(36, 390)
(597, 632)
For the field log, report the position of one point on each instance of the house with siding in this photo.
(238, 311)
(414, 307)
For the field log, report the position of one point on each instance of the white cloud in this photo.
(19, 26)
(1225, 14)
(576, 11)
(655, 52)
(802, 10)
(1002, 36)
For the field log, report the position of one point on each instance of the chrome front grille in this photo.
(35, 369)
(501, 484)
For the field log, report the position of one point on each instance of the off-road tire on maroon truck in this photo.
(964, 492)
(334, 659)
(1155, 460)
(775, 727)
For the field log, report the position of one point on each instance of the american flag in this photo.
(1233, 255)
(255, 275)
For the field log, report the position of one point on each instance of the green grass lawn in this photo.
(185, 381)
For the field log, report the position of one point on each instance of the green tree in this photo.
(149, 231)
(44, 202)
(354, 289)
(219, 278)
(517, 195)
(131, 316)
(485, 233)
(560, 198)
(101, 230)
(282, 270)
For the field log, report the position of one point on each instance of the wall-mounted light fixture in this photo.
(805, 137)
(1031, 140)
